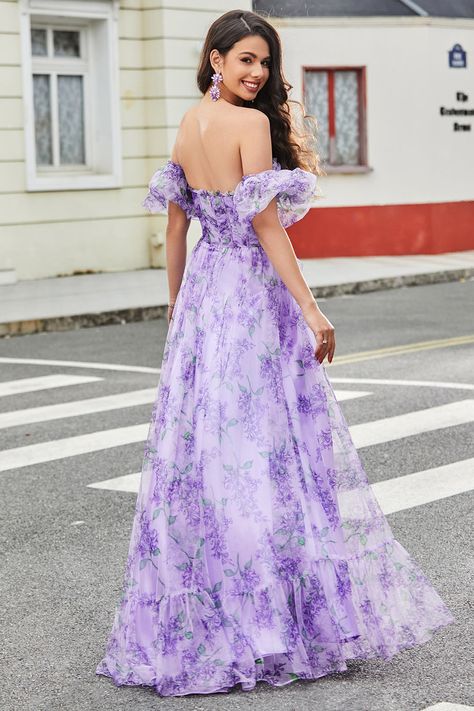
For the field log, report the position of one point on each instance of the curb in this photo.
(149, 313)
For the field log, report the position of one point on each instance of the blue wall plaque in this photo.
(457, 57)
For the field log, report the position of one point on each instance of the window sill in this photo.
(75, 182)
(346, 169)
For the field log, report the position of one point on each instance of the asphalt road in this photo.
(64, 543)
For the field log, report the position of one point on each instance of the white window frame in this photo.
(97, 20)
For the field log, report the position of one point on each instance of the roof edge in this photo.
(415, 7)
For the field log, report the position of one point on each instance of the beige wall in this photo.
(61, 232)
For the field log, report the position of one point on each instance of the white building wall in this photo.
(415, 155)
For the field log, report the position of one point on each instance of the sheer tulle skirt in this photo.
(258, 550)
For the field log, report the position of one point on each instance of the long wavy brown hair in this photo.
(294, 134)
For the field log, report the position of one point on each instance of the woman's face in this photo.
(245, 69)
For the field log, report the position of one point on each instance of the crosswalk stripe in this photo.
(81, 364)
(342, 395)
(70, 446)
(127, 482)
(398, 494)
(76, 408)
(412, 423)
(444, 706)
(364, 435)
(45, 413)
(45, 382)
(405, 492)
(412, 383)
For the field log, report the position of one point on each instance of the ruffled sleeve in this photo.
(294, 190)
(169, 184)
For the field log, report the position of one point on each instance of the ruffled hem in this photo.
(293, 189)
(203, 642)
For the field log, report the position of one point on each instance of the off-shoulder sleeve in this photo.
(169, 184)
(294, 190)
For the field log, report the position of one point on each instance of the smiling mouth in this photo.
(252, 86)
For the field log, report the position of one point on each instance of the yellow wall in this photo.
(61, 232)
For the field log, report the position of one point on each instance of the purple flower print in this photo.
(255, 528)
(148, 540)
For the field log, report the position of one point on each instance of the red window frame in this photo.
(362, 164)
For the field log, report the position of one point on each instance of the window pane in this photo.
(347, 117)
(71, 120)
(316, 103)
(42, 108)
(39, 46)
(66, 43)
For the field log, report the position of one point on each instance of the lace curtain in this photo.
(346, 148)
(69, 105)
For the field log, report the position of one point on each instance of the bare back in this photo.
(208, 145)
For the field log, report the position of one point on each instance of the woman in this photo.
(258, 550)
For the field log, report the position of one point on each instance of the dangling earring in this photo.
(215, 93)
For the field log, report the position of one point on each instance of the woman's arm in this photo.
(256, 155)
(176, 233)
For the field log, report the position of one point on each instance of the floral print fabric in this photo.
(258, 550)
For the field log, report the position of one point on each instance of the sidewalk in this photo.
(95, 299)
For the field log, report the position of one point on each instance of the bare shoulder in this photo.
(251, 124)
(253, 117)
(189, 113)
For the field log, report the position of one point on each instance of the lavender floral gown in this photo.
(258, 550)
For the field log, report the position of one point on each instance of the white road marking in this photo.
(405, 492)
(71, 446)
(45, 382)
(76, 408)
(398, 494)
(128, 482)
(342, 395)
(364, 435)
(410, 383)
(444, 706)
(144, 369)
(412, 423)
(80, 364)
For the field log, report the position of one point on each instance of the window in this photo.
(334, 97)
(60, 76)
(71, 94)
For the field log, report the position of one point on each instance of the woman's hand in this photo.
(170, 312)
(323, 331)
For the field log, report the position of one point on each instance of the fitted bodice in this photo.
(226, 216)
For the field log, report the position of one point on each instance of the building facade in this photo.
(92, 92)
